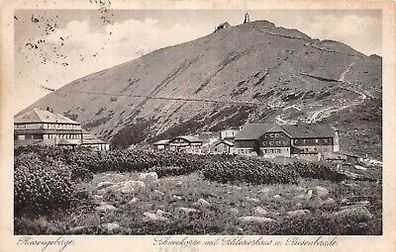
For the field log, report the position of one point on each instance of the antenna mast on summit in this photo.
(247, 19)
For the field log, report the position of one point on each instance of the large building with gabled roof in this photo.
(301, 141)
(44, 127)
(38, 126)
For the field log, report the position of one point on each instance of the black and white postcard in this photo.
(197, 125)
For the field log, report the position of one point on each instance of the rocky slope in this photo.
(257, 71)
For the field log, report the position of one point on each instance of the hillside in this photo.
(258, 70)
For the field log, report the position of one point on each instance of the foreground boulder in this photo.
(358, 213)
(105, 208)
(298, 213)
(149, 177)
(321, 192)
(125, 187)
(259, 211)
(203, 203)
(186, 210)
(159, 215)
(104, 184)
(254, 219)
(111, 227)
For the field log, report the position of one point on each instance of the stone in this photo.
(158, 193)
(358, 167)
(300, 189)
(309, 194)
(255, 219)
(186, 210)
(149, 177)
(77, 230)
(299, 197)
(234, 211)
(277, 196)
(298, 213)
(363, 203)
(260, 211)
(329, 203)
(177, 197)
(111, 226)
(97, 197)
(136, 184)
(104, 184)
(265, 190)
(299, 205)
(252, 199)
(358, 213)
(127, 189)
(105, 208)
(345, 202)
(134, 200)
(153, 217)
(203, 203)
(321, 192)
(236, 187)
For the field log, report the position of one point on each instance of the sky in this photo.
(55, 47)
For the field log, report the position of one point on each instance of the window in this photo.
(317, 141)
(295, 141)
(276, 135)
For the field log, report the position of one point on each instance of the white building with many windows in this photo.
(42, 127)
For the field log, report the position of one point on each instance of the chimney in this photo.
(336, 140)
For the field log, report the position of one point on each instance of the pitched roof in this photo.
(160, 142)
(65, 142)
(190, 139)
(309, 130)
(253, 131)
(37, 115)
(231, 144)
(89, 138)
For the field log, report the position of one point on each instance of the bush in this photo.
(41, 189)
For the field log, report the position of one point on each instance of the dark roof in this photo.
(65, 142)
(89, 138)
(309, 130)
(37, 115)
(161, 142)
(190, 139)
(253, 131)
(231, 144)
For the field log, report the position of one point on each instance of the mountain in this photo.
(258, 72)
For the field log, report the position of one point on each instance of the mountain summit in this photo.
(253, 72)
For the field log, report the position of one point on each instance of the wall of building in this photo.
(228, 134)
(306, 156)
(275, 151)
(311, 149)
(274, 139)
(221, 148)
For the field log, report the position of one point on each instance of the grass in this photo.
(219, 218)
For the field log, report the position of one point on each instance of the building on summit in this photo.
(295, 141)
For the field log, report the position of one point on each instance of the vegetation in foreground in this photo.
(118, 195)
